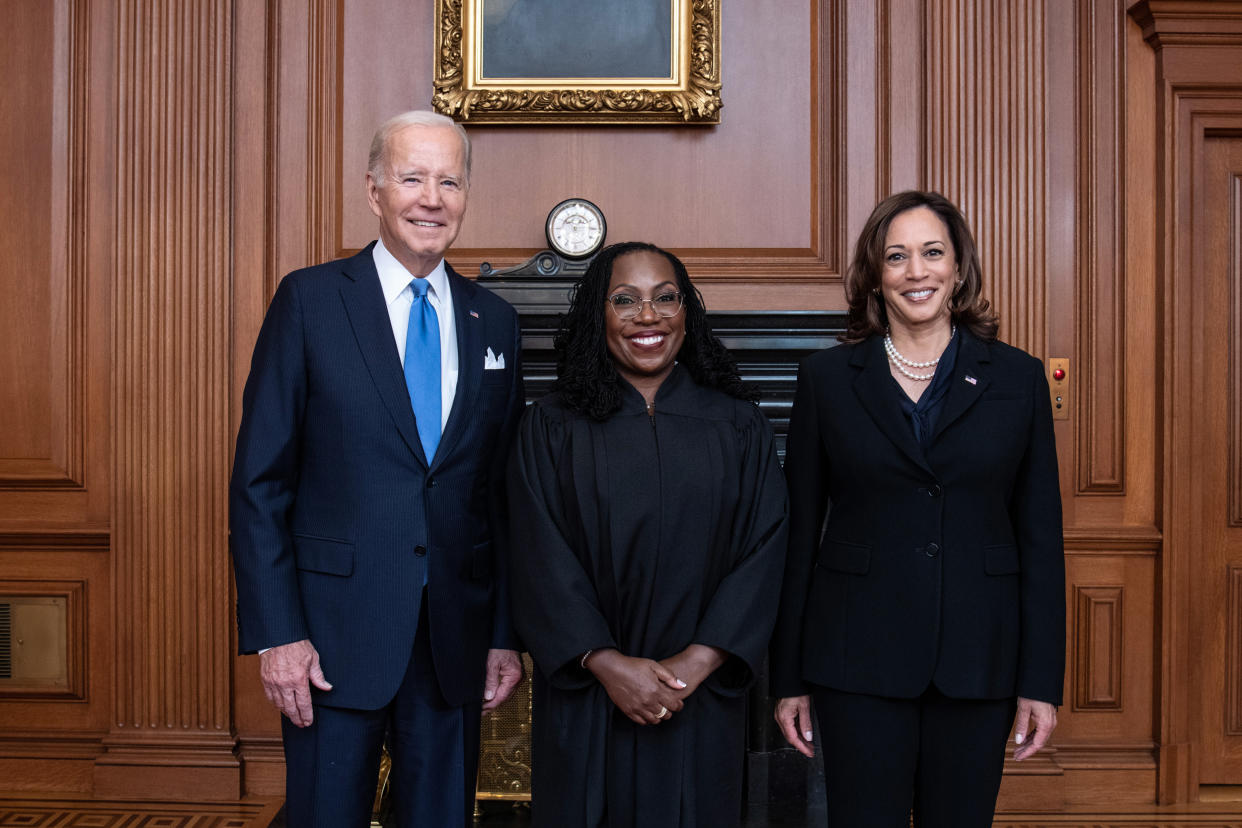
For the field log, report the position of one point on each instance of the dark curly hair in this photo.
(586, 376)
(867, 314)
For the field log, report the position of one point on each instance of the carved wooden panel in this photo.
(171, 401)
(987, 146)
(1097, 666)
(42, 382)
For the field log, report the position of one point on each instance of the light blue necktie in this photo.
(422, 367)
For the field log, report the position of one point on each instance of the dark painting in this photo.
(577, 38)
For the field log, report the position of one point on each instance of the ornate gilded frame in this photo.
(690, 96)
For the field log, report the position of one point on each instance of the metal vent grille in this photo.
(6, 640)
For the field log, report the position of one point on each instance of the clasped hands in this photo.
(288, 671)
(647, 691)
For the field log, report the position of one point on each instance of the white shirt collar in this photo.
(394, 278)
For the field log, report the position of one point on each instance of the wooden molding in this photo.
(43, 744)
(1189, 22)
(56, 540)
(1098, 638)
(1112, 540)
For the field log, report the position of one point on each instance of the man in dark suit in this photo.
(365, 504)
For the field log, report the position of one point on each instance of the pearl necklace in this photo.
(904, 365)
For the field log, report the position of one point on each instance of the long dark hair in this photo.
(586, 377)
(867, 314)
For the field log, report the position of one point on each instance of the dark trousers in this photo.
(331, 767)
(940, 757)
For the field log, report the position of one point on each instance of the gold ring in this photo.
(663, 712)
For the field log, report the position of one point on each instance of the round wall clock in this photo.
(576, 228)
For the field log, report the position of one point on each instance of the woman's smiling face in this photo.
(920, 270)
(645, 347)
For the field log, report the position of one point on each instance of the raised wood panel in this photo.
(1100, 307)
(50, 742)
(75, 644)
(1106, 723)
(987, 133)
(42, 387)
(1233, 653)
(171, 730)
(1098, 636)
(1234, 330)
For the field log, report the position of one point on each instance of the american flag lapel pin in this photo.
(971, 380)
(475, 314)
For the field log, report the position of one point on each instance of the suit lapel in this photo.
(469, 359)
(873, 385)
(968, 382)
(368, 316)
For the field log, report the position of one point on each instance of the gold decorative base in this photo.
(504, 754)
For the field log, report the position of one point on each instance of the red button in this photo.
(1058, 374)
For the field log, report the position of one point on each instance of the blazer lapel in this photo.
(968, 382)
(873, 385)
(469, 359)
(368, 316)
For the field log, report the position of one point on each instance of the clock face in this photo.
(576, 228)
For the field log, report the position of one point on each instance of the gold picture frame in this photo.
(690, 94)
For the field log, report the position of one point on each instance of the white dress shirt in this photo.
(399, 297)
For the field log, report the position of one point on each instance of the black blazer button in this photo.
(420, 550)
(431, 482)
(931, 550)
(934, 490)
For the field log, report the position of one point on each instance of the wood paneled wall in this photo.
(165, 163)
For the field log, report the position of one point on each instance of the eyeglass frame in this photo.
(681, 304)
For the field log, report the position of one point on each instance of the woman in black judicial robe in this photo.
(648, 524)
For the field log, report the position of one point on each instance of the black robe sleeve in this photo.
(740, 615)
(555, 608)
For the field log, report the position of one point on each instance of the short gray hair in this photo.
(415, 117)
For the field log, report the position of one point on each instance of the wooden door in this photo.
(1213, 436)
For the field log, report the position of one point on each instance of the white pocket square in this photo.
(493, 362)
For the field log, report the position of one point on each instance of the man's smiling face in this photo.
(421, 197)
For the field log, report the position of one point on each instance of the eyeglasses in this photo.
(628, 306)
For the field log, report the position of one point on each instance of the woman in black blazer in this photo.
(929, 607)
